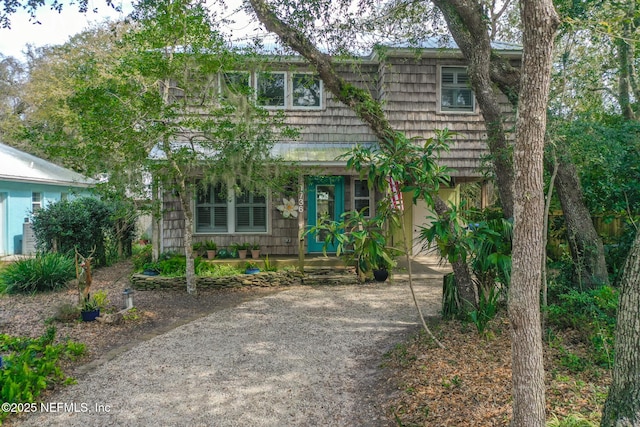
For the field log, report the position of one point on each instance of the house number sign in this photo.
(301, 199)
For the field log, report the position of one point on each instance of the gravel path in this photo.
(306, 356)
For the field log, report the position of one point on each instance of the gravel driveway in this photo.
(305, 356)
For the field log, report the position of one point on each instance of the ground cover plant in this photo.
(31, 365)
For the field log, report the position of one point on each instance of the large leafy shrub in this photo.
(83, 224)
(46, 272)
(592, 313)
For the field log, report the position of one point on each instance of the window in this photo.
(219, 210)
(271, 89)
(455, 93)
(236, 82)
(36, 202)
(211, 210)
(279, 89)
(306, 91)
(362, 196)
(251, 212)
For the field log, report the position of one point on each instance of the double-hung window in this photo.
(271, 90)
(362, 197)
(251, 212)
(222, 210)
(455, 92)
(306, 91)
(36, 202)
(275, 89)
(211, 210)
(235, 83)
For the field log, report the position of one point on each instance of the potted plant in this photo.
(198, 249)
(251, 268)
(151, 269)
(241, 249)
(91, 306)
(211, 248)
(361, 241)
(255, 250)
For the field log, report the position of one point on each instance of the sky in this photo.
(56, 28)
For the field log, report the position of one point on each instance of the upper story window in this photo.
(306, 91)
(271, 90)
(455, 92)
(236, 83)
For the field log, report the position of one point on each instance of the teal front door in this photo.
(326, 198)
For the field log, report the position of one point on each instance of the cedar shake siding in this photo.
(408, 83)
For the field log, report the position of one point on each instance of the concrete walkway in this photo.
(306, 356)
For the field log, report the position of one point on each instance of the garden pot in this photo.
(90, 316)
(380, 275)
(252, 271)
(211, 254)
(242, 253)
(255, 253)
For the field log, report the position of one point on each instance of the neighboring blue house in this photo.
(28, 183)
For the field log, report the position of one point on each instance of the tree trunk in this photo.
(469, 30)
(586, 246)
(622, 408)
(185, 201)
(466, 288)
(540, 22)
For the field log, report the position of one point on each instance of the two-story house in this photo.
(421, 90)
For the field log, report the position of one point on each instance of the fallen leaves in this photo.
(469, 382)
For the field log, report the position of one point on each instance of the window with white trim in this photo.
(306, 91)
(362, 197)
(251, 212)
(221, 210)
(36, 202)
(271, 89)
(211, 209)
(235, 83)
(277, 89)
(455, 92)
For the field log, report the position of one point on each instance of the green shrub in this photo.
(85, 224)
(592, 313)
(141, 255)
(218, 270)
(30, 365)
(43, 273)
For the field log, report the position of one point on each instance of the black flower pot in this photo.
(380, 275)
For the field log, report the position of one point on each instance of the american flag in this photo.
(396, 194)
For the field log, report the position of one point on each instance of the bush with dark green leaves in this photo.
(46, 272)
(592, 313)
(86, 224)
